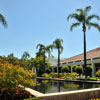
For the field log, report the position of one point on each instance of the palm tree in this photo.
(43, 49)
(58, 45)
(83, 18)
(2, 20)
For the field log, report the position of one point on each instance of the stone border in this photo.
(85, 94)
(57, 79)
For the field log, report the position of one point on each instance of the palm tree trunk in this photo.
(58, 61)
(85, 70)
(44, 61)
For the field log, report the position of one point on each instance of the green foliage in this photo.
(3, 20)
(93, 79)
(74, 67)
(61, 75)
(98, 73)
(53, 75)
(12, 76)
(78, 69)
(89, 69)
(65, 69)
(15, 93)
(84, 18)
(71, 75)
(25, 55)
(45, 75)
(34, 98)
(38, 64)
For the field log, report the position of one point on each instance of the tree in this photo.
(38, 64)
(57, 44)
(25, 55)
(42, 50)
(2, 20)
(83, 18)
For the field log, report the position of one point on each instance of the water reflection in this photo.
(51, 86)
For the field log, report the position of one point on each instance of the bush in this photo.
(78, 70)
(12, 76)
(67, 75)
(93, 79)
(65, 69)
(45, 75)
(89, 69)
(61, 75)
(74, 67)
(53, 75)
(71, 75)
(74, 75)
(14, 94)
(98, 73)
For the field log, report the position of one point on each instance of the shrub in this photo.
(98, 73)
(61, 75)
(14, 94)
(71, 75)
(12, 76)
(67, 75)
(93, 79)
(89, 69)
(74, 67)
(78, 70)
(45, 75)
(65, 69)
(74, 75)
(53, 75)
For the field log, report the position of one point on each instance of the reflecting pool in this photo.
(52, 86)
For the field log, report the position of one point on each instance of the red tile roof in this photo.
(90, 54)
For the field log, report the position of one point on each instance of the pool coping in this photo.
(58, 79)
(84, 94)
(41, 95)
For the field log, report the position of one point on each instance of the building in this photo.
(93, 58)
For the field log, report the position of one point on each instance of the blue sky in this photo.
(42, 21)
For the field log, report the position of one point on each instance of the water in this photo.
(52, 86)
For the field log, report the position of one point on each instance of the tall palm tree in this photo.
(58, 45)
(2, 20)
(85, 20)
(44, 49)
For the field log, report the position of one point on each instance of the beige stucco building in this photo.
(93, 58)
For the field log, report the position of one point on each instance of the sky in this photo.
(31, 22)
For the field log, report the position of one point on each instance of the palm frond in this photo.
(2, 19)
(93, 16)
(79, 10)
(58, 43)
(95, 25)
(74, 15)
(86, 10)
(61, 49)
(74, 25)
(40, 46)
